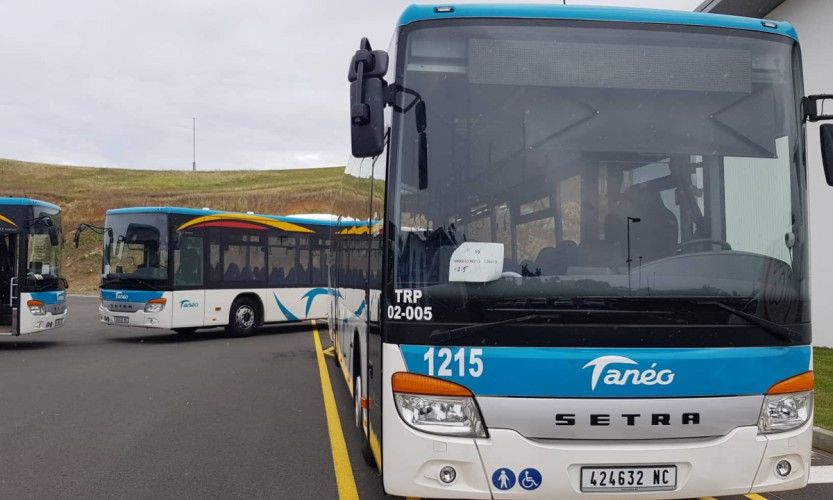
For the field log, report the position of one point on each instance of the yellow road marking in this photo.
(755, 496)
(707, 498)
(329, 352)
(341, 460)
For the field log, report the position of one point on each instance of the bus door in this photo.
(9, 285)
(189, 280)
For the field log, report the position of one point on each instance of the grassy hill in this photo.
(85, 194)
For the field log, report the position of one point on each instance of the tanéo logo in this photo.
(604, 369)
(188, 304)
(122, 296)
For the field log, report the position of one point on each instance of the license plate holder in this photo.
(629, 478)
(121, 320)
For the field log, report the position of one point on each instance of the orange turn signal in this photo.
(34, 303)
(798, 383)
(411, 383)
(158, 301)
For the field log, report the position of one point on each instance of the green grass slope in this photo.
(85, 194)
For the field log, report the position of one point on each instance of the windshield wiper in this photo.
(447, 335)
(780, 331)
(548, 313)
(129, 281)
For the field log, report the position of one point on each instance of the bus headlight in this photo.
(788, 404)
(155, 305)
(36, 307)
(783, 412)
(437, 406)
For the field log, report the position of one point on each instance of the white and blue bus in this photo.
(32, 290)
(184, 269)
(587, 269)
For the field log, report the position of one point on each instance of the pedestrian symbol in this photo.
(503, 479)
(529, 479)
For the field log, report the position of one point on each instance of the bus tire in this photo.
(367, 452)
(243, 318)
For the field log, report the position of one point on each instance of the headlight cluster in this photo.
(36, 307)
(441, 415)
(783, 412)
(788, 404)
(437, 406)
(155, 305)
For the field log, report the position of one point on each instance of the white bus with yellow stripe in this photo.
(32, 289)
(187, 269)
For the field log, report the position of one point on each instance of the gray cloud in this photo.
(105, 83)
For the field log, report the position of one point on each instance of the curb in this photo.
(823, 439)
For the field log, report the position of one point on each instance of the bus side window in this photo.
(281, 260)
(302, 269)
(215, 264)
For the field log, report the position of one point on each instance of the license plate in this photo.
(121, 320)
(647, 478)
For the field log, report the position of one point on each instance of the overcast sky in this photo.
(104, 83)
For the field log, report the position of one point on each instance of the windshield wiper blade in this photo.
(579, 310)
(538, 313)
(446, 335)
(780, 331)
(130, 281)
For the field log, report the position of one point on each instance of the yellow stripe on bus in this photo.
(3, 218)
(341, 460)
(255, 219)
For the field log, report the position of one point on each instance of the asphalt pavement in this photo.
(90, 411)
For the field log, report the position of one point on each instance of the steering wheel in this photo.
(724, 245)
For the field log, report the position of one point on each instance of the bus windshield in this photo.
(136, 248)
(44, 253)
(635, 163)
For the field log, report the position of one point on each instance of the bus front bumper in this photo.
(739, 463)
(136, 318)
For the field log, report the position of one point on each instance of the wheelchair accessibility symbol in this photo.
(529, 479)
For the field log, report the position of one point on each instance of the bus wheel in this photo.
(367, 452)
(242, 318)
(185, 331)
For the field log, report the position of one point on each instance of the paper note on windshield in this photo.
(475, 262)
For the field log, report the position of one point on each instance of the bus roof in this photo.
(313, 219)
(416, 13)
(29, 202)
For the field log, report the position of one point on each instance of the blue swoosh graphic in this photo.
(284, 310)
(315, 292)
(360, 310)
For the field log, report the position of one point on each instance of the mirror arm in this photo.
(76, 237)
(810, 107)
(390, 97)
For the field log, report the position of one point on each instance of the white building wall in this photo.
(813, 19)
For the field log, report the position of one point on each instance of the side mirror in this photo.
(54, 236)
(367, 100)
(826, 131)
